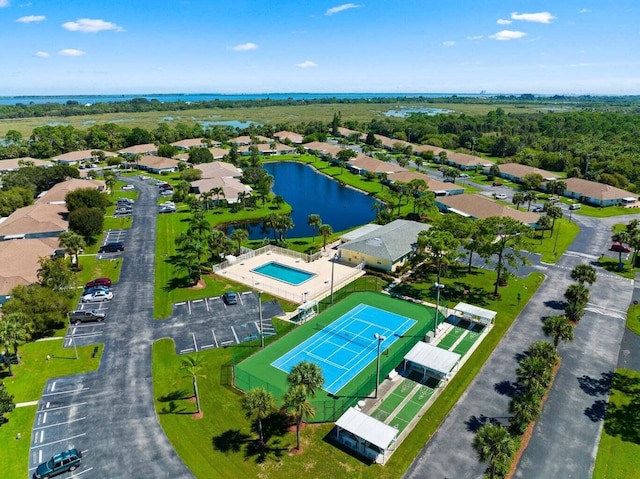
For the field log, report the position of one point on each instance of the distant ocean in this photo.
(197, 97)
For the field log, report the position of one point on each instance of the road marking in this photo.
(59, 423)
(61, 407)
(215, 340)
(53, 386)
(61, 440)
(39, 456)
(189, 306)
(195, 345)
(44, 418)
(225, 343)
(235, 335)
(81, 472)
(608, 309)
(206, 346)
(206, 303)
(66, 392)
(180, 304)
(188, 350)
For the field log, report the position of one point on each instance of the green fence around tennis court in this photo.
(256, 371)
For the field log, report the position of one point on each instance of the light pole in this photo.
(439, 287)
(260, 310)
(333, 264)
(380, 339)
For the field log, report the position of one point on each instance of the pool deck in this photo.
(315, 288)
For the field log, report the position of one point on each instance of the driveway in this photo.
(119, 429)
(566, 436)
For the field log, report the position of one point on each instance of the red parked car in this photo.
(619, 247)
(98, 282)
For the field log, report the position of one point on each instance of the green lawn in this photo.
(605, 212)
(619, 449)
(633, 318)
(217, 445)
(27, 385)
(553, 247)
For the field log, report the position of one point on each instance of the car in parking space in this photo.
(60, 463)
(167, 209)
(127, 201)
(575, 206)
(128, 188)
(95, 289)
(166, 193)
(620, 248)
(464, 175)
(501, 196)
(97, 297)
(230, 297)
(86, 316)
(496, 183)
(537, 209)
(98, 282)
(112, 247)
(123, 211)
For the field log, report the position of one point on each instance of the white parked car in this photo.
(128, 187)
(97, 297)
(501, 196)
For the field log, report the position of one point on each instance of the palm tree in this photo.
(308, 375)
(72, 242)
(544, 223)
(633, 229)
(584, 273)
(315, 222)
(494, 444)
(494, 170)
(325, 231)
(533, 373)
(621, 237)
(544, 350)
(205, 198)
(559, 329)
(298, 405)
(192, 365)
(577, 296)
(418, 161)
(14, 331)
(258, 404)
(239, 235)
(530, 196)
(451, 173)
(218, 192)
(278, 201)
(554, 212)
(525, 409)
(518, 199)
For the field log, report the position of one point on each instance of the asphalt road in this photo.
(566, 436)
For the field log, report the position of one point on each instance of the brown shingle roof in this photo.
(218, 169)
(432, 184)
(462, 159)
(158, 162)
(246, 140)
(230, 186)
(189, 143)
(38, 218)
(597, 190)
(347, 132)
(59, 191)
(19, 261)
(294, 137)
(481, 207)
(520, 171)
(81, 155)
(376, 166)
(14, 163)
(140, 149)
(322, 147)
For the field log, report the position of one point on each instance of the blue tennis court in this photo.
(346, 346)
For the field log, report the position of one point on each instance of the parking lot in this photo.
(113, 236)
(60, 423)
(210, 323)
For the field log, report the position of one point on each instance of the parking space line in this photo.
(189, 306)
(206, 303)
(61, 407)
(59, 423)
(241, 302)
(180, 304)
(215, 340)
(195, 345)
(81, 472)
(225, 343)
(197, 301)
(53, 386)
(60, 440)
(206, 346)
(235, 335)
(187, 350)
(44, 418)
(39, 457)
(66, 392)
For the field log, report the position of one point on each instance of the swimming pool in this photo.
(286, 274)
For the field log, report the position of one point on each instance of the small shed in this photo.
(307, 310)
(431, 360)
(365, 435)
(475, 313)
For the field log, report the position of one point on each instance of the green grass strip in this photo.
(451, 337)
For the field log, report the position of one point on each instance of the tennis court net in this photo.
(345, 335)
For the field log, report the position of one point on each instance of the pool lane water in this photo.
(284, 273)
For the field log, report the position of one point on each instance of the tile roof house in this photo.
(13, 164)
(218, 169)
(598, 194)
(268, 149)
(217, 153)
(191, 143)
(295, 138)
(19, 262)
(248, 140)
(157, 164)
(481, 207)
(390, 143)
(422, 148)
(386, 247)
(41, 220)
(231, 187)
(464, 161)
(58, 192)
(146, 149)
(321, 148)
(516, 172)
(75, 157)
(346, 132)
(440, 188)
(361, 164)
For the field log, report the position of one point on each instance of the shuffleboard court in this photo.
(346, 346)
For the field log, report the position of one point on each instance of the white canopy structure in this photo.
(365, 435)
(307, 310)
(431, 360)
(475, 313)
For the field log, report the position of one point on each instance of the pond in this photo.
(405, 112)
(310, 192)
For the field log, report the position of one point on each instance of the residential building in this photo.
(58, 192)
(41, 220)
(157, 164)
(268, 149)
(516, 172)
(363, 164)
(480, 207)
(295, 138)
(218, 169)
(146, 149)
(77, 157)
(14, 164)
(193, 143)
(440, 188)
(249, 140)
(231, 187)
(598, 194)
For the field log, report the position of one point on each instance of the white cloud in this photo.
(507, 35)
(474, 37)
(31, 19)
(585, 10)
(4, 3)
(540, 17)
(307, 64)
(70, 52)
(341, 8)
(503, 21)
(449, 43)
(43, 54)
(89, 25)
(244, 47)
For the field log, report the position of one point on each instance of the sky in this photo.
(295, 46)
